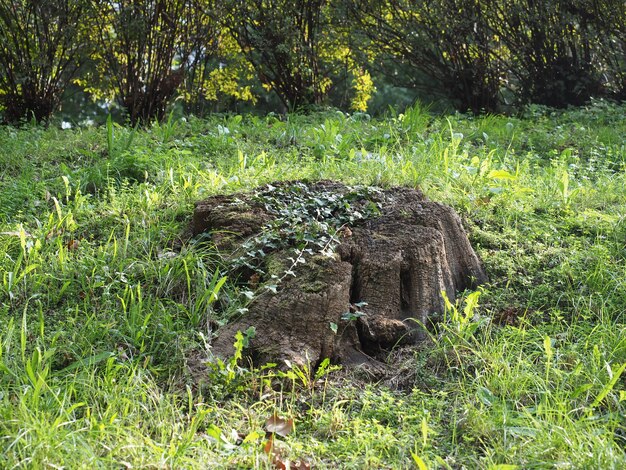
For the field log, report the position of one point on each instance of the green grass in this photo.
(104, 305)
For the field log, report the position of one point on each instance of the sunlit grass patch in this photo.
(105, 302)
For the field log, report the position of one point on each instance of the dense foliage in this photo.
(449, 44)
(42, 46)
(471, 55)
(144, 50)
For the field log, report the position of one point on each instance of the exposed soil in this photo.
(376, 284)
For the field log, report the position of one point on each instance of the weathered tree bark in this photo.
(381, 287)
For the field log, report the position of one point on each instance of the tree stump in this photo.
(335, 271)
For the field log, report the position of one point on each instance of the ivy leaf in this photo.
(333, 327)
(351, 316)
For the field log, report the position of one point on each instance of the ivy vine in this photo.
(307, 219)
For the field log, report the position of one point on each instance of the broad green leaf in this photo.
(214, 432)
(86, 362)
(419, 462)
(486, 396)
(500, 175)
(547, 346)
(609, 386)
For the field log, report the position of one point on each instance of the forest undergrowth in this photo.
(107, 306)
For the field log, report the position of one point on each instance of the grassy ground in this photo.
(102, 312)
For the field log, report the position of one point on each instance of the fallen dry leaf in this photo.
(73, 244)
(281, 426)
(277, 452)
(345, 232)
(267, 447)
(301, 465)
(253, 282)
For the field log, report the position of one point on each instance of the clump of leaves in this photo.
(229, 375)
(307, 218)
